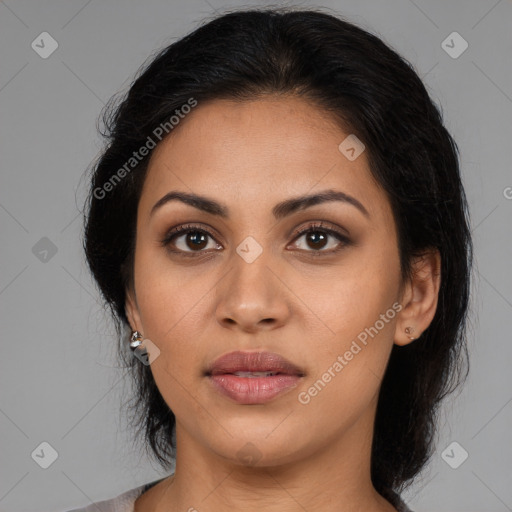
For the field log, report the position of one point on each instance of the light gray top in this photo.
(125, 502)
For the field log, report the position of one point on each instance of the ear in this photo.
(132, 311)
(420, 297)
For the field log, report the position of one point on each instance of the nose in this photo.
(251, 297)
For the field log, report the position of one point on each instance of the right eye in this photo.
(188, 239)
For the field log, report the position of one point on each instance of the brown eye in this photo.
(196, 240)
(188, 239)
(317, 238)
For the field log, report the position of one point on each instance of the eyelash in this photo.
(312, 228)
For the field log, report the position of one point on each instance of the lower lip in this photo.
(253, 390)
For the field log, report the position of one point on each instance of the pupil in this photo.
(197, 239)
(316, 237)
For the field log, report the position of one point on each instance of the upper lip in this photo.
(253, 362)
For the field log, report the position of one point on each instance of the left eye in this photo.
(191, 239)
(317, 239)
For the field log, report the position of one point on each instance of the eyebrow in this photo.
(280, 210)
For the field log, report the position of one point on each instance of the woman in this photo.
(279, 227)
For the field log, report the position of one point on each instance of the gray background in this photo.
(59, 381)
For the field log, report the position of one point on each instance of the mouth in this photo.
(251, 378)
(253, 364)
(253, 375)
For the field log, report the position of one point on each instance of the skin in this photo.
(250, 156)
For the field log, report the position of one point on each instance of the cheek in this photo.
(359, 305)
(170, 297)
(346, 368)
(353, 296)
(360, 311)
(173, 313)
(172, 309)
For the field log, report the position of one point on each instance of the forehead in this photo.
(248, 152)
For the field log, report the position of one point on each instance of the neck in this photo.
(336, 478)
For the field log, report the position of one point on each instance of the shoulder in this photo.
(396, 500)
(122, 503)
(402, 507)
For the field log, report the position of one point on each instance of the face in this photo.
(318, 283)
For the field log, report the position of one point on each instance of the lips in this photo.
(249, 362)
(252, 378)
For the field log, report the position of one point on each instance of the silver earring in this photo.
(138, 349)
(409, 330)
(136, 340)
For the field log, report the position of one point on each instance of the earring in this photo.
(409, 330)
(139, 350)
(136, 341)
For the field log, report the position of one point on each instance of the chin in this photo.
(261, 449)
